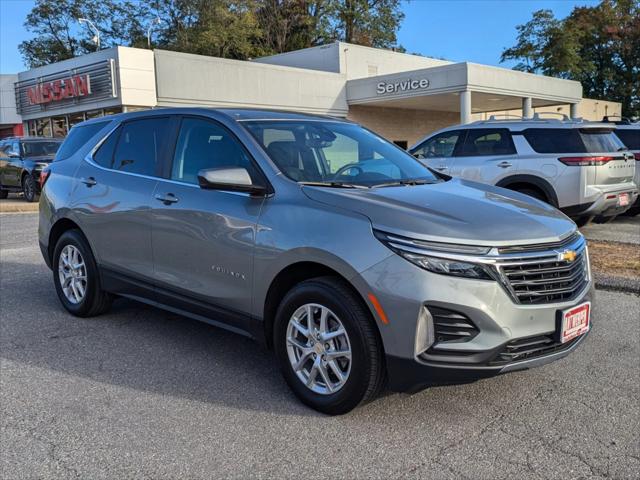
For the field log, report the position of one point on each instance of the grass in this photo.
(616, 259)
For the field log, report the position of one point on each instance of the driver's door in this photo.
(203, 240)
(438, 152)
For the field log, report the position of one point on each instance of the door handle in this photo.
(442, 169)
(505, 164)
(167, 199)
(89, 182)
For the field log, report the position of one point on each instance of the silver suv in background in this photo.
(581, 168)
(629, 133)
(352, 260)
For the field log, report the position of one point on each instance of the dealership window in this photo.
(75, 118)
(43, 127)
(112, 110)
(94, 114)
(59, 125)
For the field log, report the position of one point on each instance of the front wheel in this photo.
(76, 277)
(327, 345)
(29, 188)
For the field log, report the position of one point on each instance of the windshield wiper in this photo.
(403, 183)
(333, 184)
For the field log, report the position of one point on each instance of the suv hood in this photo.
(455, 211)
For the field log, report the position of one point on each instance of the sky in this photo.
(458, 30)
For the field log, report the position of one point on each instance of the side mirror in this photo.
(12, 154)
(229, 178)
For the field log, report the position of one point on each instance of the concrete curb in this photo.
(18, 206)
(617, 284)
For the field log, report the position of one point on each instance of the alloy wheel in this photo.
(319, 349)
(72, 274)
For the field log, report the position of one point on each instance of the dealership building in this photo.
(400, 96)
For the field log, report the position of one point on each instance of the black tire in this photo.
(367, 375)
(582, 221)
(632, 212)
(605, 219)
(95, 301)
(532, 192)
(29, 188)
(4, 194)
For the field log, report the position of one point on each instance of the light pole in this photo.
(156, 21)
(96, 37)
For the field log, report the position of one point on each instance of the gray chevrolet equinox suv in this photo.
(357, 264)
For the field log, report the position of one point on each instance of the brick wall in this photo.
(401, 124)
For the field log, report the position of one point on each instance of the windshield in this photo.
(40, 148)
(336, 154)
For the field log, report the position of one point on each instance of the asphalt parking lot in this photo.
(141, 393)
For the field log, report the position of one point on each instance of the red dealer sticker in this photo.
(575, 322)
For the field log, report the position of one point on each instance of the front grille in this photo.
(531, 347)
(541, 246)
(547, 279)
(450, 326)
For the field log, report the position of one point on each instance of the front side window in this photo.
(441, 145)
(203, 144)
(140, 146)
(77, 137)
(481, 141)
(336, 154)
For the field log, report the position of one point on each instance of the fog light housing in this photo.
(425, 334)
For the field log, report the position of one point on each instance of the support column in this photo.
(573, 110)
(465, 106)
(527, 110)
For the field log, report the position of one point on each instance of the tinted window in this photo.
(631, 138)
(140, 146)
(77, 137)
(338, 153)
(441, 145)
(483, 141)
(203, 144)
(40, 148)
(572, 140)
(104, 154)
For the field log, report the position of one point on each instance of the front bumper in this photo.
(405, 290)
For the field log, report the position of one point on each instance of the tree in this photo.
(372, 23)
(598, 46)
(59, 36)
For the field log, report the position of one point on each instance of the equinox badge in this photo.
(567, 256)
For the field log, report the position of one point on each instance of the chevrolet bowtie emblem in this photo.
(567, 256)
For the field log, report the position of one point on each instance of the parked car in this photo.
(629, 133)
(21, 161)
(352, 260)
(575, 166)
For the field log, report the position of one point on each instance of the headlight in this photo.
(447, 267)
(429, 255)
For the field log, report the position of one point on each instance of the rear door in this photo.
(486, 155)
(113, 194)
(13, 168)
(437, 152)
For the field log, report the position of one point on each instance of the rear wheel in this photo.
(29, 188)
(328, 347)
(76, 277)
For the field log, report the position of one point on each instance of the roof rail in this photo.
(505, 116)
(622, 121)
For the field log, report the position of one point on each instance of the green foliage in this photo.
(598, 46)
(238, 29)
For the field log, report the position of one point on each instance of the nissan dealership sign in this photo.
(56, 90)
(408, 85)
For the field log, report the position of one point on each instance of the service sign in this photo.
(59, 89)
(408, 85)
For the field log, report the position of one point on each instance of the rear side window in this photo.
(572, 140)
(140, 146)
(630, 138)
(104, 154)
(441, 145)
(77, 137)
(483, 141)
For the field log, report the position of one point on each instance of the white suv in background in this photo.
(582, 168)
(629, 133)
